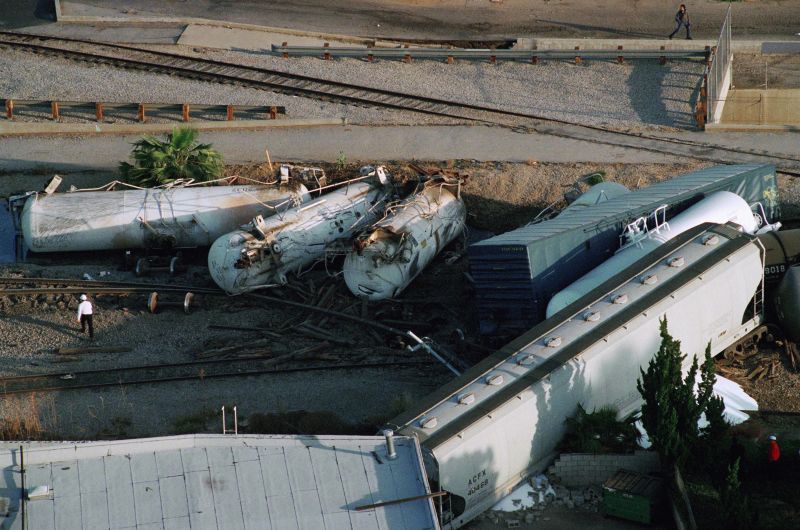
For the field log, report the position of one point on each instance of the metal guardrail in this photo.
(141, 110)
(717, 72)
(407, 54)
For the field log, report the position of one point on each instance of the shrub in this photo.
(156, 162)
(735, 505)
(599, 431)
(20, 418)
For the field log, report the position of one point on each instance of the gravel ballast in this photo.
(631, 95)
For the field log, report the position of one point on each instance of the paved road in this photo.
(367, 143)
(24, 13)
(325, 144)
(469, 19)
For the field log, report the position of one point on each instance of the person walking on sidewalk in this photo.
(85, 311)
(682, 19)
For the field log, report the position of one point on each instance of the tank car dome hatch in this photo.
(264, 252)
(597, 194)
(387, 257)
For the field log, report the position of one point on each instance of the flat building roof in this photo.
(216, 482)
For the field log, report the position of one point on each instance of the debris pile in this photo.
(531, 500)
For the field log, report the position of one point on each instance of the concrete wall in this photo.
(576, 469)
(756, 106)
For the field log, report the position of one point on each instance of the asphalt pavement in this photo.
(15, 14)
(368, 143)
(363, 143)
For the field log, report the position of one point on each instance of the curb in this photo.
(740, 46)
(749, 127)
(96, 129)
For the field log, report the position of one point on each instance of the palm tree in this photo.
(157, 162)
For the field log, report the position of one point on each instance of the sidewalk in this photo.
(50, 128)
(206, 26)
(456, 19)
(365, 143)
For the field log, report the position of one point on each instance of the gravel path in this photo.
(31, 329)
(631, 95)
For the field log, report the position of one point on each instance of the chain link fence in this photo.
(718, 76)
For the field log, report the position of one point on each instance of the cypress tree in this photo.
(671, 409)
(735, 505)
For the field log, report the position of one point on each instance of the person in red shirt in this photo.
(774, 450)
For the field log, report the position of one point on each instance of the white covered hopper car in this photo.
(485, 432)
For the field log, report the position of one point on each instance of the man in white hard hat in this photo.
(85, 311)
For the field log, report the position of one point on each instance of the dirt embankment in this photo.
(766, 71)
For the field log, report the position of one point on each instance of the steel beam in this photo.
(445, 54)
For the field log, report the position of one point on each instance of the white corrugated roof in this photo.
(219, 482)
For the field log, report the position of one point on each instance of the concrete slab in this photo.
(147, 500)
(228, 38)
(120, 492)
(774, 106)
(739, 45)
(67, 512)
(780, 48)
(149, 34)
(88, 13)
(750, 128)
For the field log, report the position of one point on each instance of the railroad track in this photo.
(56, 286)
(117, 55)
(188, 371)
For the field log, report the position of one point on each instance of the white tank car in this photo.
(177, 217)
(719, 207)
(388, 256)
(263, 252)
(484, 433)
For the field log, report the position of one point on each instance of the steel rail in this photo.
(328, 90)
(47, 291)
(92, 285)
(483, 53)
(90, 378)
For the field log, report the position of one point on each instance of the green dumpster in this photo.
(632, 496)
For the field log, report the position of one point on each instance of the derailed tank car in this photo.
(147, 218)
(517, 273)
(484, 432)
(388, 256)
(263, 252)
(647, 234)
